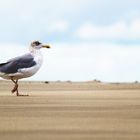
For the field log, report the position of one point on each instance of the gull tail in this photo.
(2, 64)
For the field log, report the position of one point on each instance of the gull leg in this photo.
(15, 89)
(16, 85)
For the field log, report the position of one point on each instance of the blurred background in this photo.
(90, 39)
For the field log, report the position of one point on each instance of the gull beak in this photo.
(46, 46)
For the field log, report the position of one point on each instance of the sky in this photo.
(90, 39)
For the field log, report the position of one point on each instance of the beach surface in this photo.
(70, 111)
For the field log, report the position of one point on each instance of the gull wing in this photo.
(13, 65)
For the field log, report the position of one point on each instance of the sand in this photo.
(70, 111)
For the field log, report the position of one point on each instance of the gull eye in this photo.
(36, 43)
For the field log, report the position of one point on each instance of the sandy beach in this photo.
(70, 111)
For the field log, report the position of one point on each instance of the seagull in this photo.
(23, 66)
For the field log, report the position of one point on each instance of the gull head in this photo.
(36, 45)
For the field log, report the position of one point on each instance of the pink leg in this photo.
(15, 89)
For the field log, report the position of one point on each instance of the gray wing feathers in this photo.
(13, 65)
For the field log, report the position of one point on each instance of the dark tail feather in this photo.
(2, 64)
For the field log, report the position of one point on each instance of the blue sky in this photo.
(91, 39)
